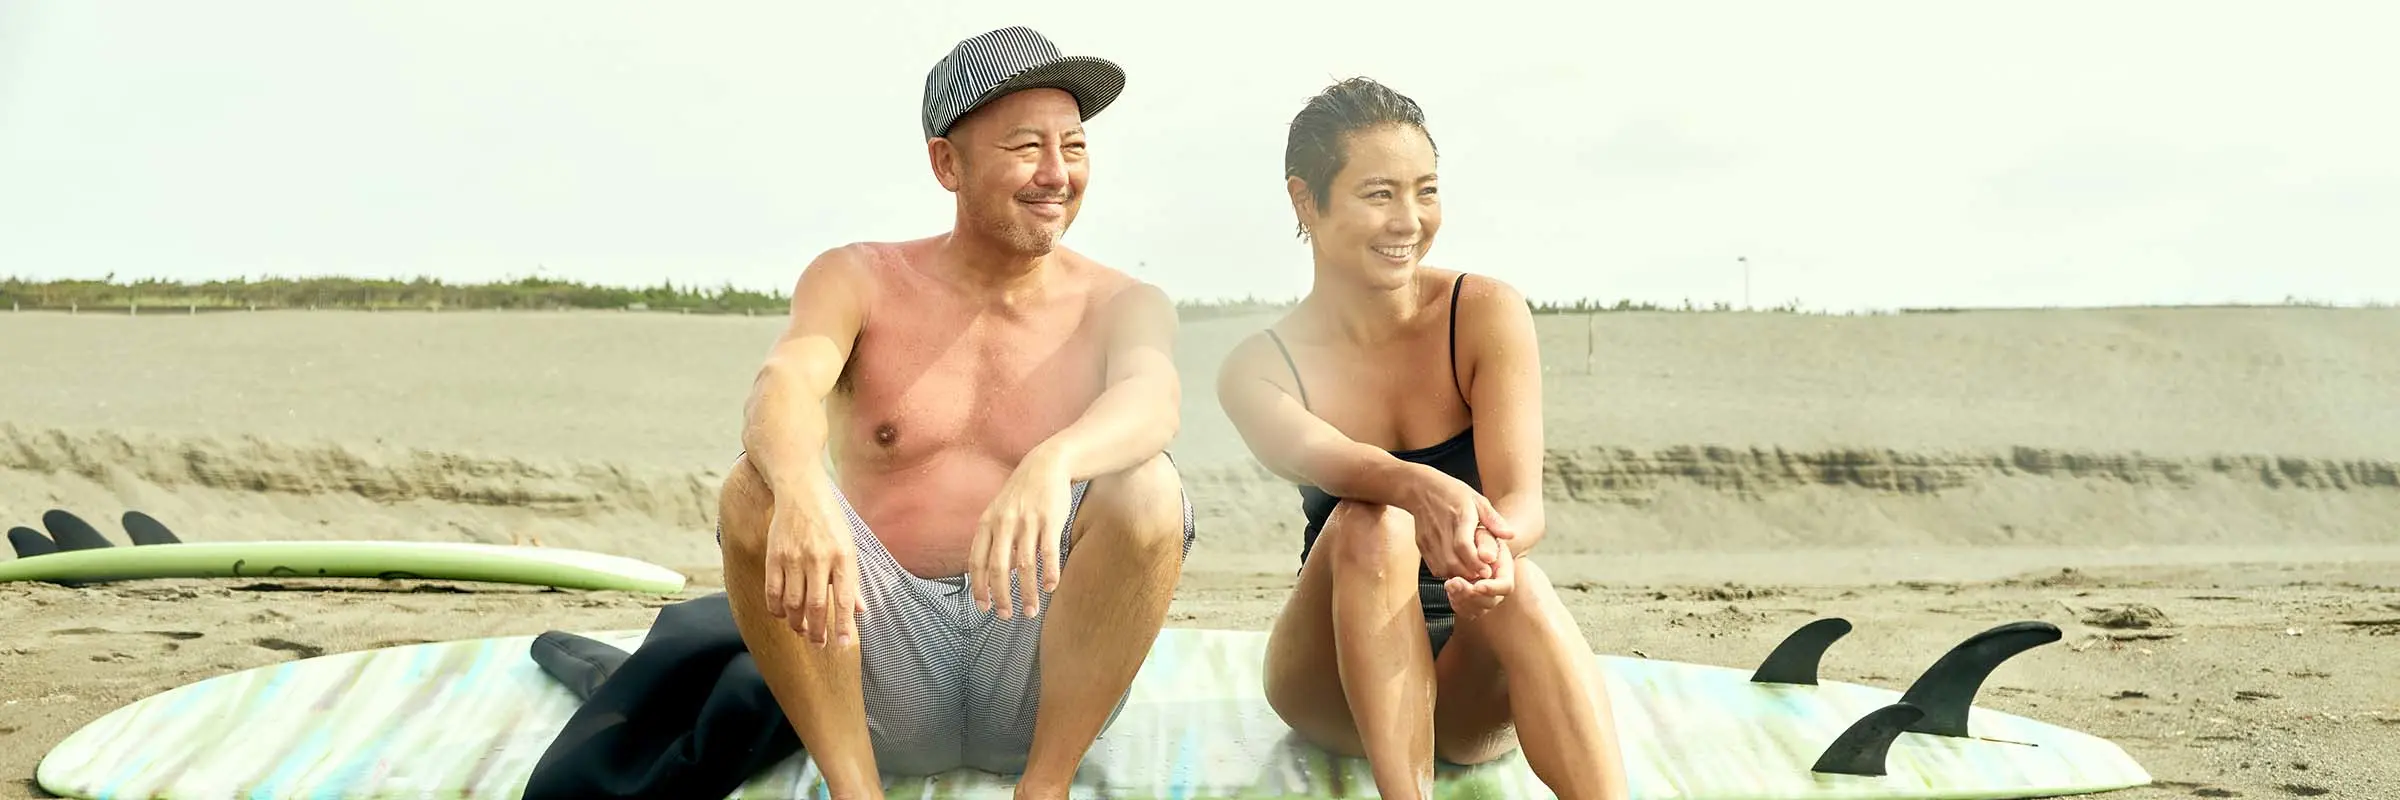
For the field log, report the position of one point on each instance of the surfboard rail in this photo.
(470, 717)
(459, 561)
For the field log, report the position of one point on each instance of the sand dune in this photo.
(1714, 479)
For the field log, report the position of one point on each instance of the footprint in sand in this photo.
(176, 635)
(289, 646)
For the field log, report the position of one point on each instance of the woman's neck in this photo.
(1362, 314)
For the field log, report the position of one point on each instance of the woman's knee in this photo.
(1370, 536)
(1534, 604)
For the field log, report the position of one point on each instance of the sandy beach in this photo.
(2206, 500)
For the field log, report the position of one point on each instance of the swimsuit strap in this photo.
(1287, 362)
(1455, 286)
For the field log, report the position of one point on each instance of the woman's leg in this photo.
(1348, 665)
(1529, 648)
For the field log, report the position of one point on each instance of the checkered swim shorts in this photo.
(948, 685)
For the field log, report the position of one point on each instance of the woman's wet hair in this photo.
(1317, 146)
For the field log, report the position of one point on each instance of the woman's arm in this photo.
(1504, 387)
(1295, 444)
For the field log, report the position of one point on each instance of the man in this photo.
(979, 577)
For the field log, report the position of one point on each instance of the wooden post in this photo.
(1588, 335)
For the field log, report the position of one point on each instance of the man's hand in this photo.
(1449, 515)
(1472, 599)
(812, 574)
(1019, 533)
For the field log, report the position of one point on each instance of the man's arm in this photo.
(1504, 386)
(1138, 413)
(784, 425)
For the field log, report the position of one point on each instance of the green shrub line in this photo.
(109, 295)
(379, 294)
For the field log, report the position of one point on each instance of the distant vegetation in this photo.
(534, 294)
(108, 295)
(362, 293)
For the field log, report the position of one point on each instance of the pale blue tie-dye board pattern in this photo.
(468, 719)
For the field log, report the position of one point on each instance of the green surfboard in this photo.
(470, 718)
(461, 561)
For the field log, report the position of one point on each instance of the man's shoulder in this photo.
(863, 257)
(1107, 286)
(865, 268)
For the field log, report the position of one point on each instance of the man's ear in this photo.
(947, 162)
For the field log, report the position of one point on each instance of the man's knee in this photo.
(744, 506)
(1142, 505)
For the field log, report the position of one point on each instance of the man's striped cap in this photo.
(995, 63)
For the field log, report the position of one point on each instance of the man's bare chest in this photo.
(996, 387)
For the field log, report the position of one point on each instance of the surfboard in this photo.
(461, 561)
(470, 719)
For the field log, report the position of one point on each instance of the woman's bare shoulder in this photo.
(1493, 316)
(1484, 292)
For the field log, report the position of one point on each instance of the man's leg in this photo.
(818, 687)
(1125, 555)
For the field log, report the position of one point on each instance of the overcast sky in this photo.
(1859, 154)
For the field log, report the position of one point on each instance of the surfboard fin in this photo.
(1946, 691)
(145, 529)
(1795, 660)
(71, 532)
(1861, 748)
(29, 542)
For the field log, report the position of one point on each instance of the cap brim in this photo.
(1095, 83)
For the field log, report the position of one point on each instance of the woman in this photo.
(1406, 401)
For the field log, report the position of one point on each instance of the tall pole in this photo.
(1745, 282)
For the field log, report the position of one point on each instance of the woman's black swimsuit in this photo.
(1454, 457)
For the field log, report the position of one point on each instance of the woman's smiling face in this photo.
(1380, 211)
